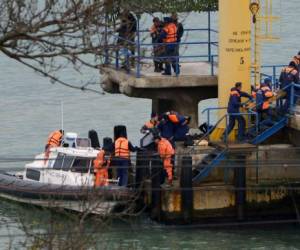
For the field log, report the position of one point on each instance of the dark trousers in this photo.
(265, 116)
(241, 126)
(122, 171)
(170, 60)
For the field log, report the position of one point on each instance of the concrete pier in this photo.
(182, 93)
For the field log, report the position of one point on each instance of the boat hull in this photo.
(101, 200)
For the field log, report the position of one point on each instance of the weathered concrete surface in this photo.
(294, 128)
(182, 93)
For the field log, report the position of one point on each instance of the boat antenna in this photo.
(62, 115)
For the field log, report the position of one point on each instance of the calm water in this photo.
(30, 108)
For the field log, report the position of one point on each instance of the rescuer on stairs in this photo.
(263, 98)
(233, 110)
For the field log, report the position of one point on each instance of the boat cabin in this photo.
(71, 164)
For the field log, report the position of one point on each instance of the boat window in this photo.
(33, 174)
(67, 163)
(81, 165)
(58, 162)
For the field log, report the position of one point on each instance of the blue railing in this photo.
(140, 47)
(142, 44)
(287, 107)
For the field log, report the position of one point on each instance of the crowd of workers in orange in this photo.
(172, 126)
(166, 130)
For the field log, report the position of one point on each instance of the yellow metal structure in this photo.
(263, 32)
(234, 51)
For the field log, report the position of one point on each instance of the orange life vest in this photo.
(173, 118)
(267, 94)
(171, 30)
(54, 139)
(122, 148)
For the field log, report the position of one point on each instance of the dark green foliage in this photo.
(165, 6)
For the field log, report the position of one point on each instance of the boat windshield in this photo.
(75, 164)
(63, 162)
(81, 165)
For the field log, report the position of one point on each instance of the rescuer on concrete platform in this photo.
(158, 50)
(180, 31)
(101, 169)
(289, 74)
(180, 125)
(150, 124)
(234, 106)
(166, 151)
(169, 36)
(122, 149)
(263, 98)
(54, 140)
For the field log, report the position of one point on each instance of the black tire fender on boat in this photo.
(13, 186)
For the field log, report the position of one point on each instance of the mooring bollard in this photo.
(186, 184)
(156, 177)
(240, 185)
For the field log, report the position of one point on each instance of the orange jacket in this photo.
(100, 169)
(165, 149)
(267, 94)
(122, 148)
(54, 139)
(173, 118)
(171, 30)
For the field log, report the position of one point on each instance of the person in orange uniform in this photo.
(263, 96)
(101, 169)
(54, 140)
(166, 151)
(150, 124)
(122, 149)
(169, 37)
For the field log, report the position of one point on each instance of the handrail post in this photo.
(208, 118)
(138, 66)
(209, 36)
(117, 58)
(212, 70)
(274, 77)
(292, 100)
(226, 130)
(106, 59)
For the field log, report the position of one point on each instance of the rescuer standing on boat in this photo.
(122, 158)
(166, 151)
(101, 169)
(180, 31)
(234, 106)
(54, 140)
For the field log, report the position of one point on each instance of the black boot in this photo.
(156, 67)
